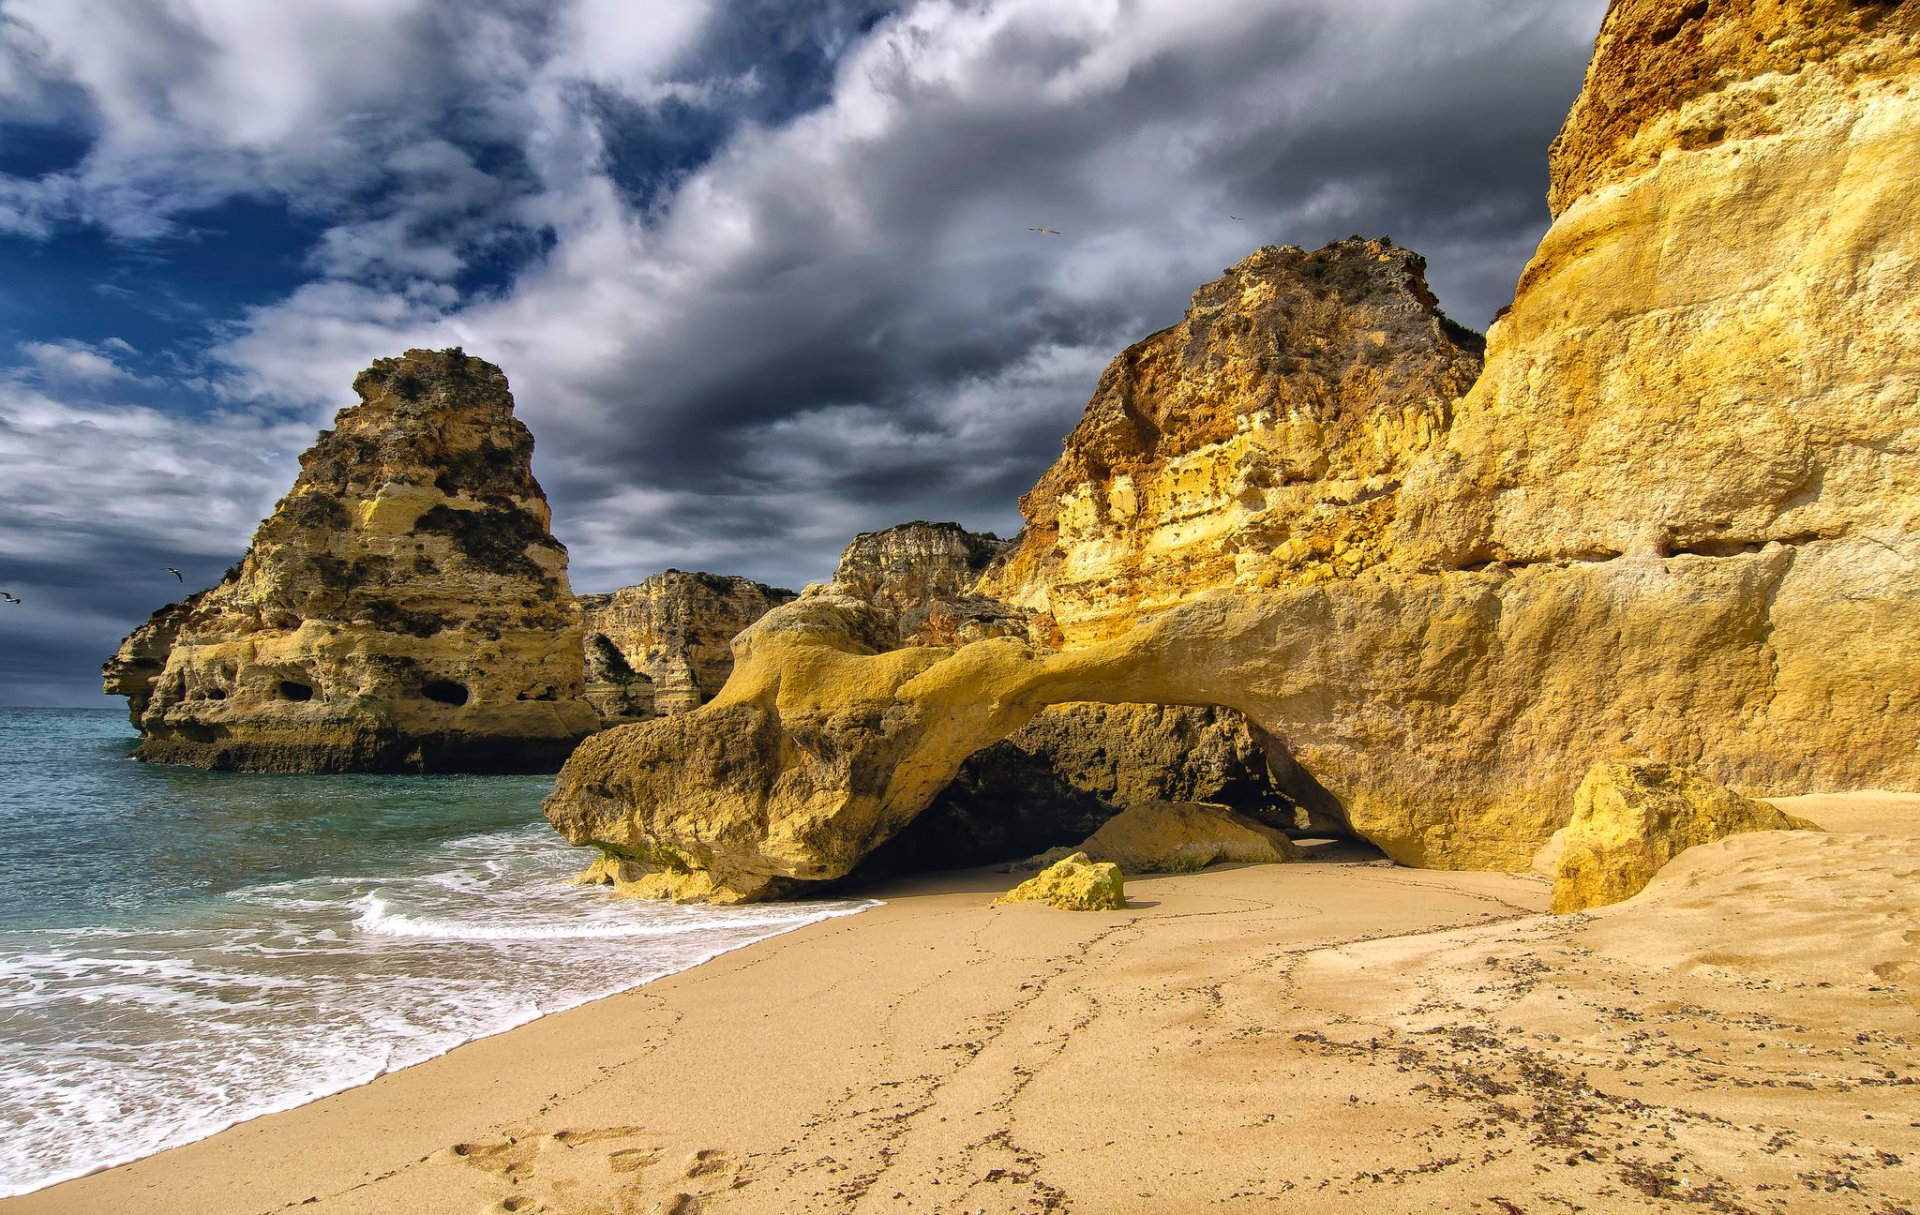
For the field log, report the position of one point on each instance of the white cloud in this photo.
(78, 476)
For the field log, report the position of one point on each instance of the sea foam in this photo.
(116, 1042)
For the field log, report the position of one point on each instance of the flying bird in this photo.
(1238, 218)
(1045, 231)
(176, 574)
(9, 598)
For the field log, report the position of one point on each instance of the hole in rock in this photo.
(1058, 779)
(293, 690)
(446, 691)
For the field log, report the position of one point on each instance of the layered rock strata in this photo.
(1675, 515)
(405, 607)
(1259, 442)
(924, 573)
(673, 629)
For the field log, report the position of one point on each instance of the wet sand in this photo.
(1335, 1034)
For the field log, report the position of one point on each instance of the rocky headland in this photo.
(1668, 520)
(405, 607)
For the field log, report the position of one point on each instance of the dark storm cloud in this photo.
(763, 278)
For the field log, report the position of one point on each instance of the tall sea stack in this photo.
(404, 609)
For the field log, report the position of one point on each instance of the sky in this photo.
(760, 273)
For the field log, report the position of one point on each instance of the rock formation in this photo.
(617, 692)
(1180, 837)
(1630, 819)
(1261, 441)
(1054, 781)
(404, 608)
(1675, 514)
(1073, 883)
(673, 629)
(924, 573)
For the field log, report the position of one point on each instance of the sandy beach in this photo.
(1336, 1034)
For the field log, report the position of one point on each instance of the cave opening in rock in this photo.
(1058, 779)
(446, 692)
(291, 689)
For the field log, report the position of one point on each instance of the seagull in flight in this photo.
(176, 573)
(1238, 218)
(1045, 231)
(9, 598)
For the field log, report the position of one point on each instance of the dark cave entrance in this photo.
(446, 692)
(1055, 781)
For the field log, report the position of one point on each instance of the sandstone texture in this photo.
(617, 692)
(1675, 516)
(405, 607)
(1180, 837)
(674, 630)
(1630, 819)
(924, 574)
(1054, 781)
(1261, 441)
(1073, 883)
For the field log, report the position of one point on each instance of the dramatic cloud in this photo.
(760, 279)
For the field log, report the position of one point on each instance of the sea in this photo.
(184, 950)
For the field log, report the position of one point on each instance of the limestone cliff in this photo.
(673, 629)
(1259, 442)
(405, 607)
(924, 574)
(1676, 514)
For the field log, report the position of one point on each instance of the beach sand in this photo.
(1330, 1035)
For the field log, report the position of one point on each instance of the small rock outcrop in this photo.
(405, 607)
(1630, 819)
(1180, 837)
(673, 630)
(1073, 883)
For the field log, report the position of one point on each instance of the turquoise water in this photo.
(181, 950)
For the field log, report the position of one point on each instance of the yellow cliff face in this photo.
(1677, 515)
(1259, 442)
(674, 628)
(404, 608)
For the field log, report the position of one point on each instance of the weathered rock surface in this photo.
(924, 574)
(1676, 514)
(1630, 819)
(1259, 442)
(617, 692)
(405, 608)
(675, 628)
(1054, 781)
(1073, 883)
(1180, 837)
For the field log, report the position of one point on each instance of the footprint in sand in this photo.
(707, 1162)
(568, 1169)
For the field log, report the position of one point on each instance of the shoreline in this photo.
(298, 1100)
(1252, 1038)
